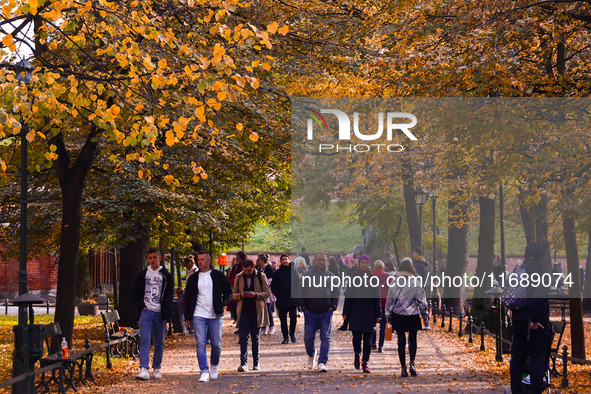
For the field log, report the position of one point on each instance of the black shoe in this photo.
(293, 339)
(404, 374)
(343, 328)
(380, 350)
(411, 369)
(285, 341)
(374, 347)
(237, 332)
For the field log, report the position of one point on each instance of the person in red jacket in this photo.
(383, 276)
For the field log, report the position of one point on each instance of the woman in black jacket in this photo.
(362, 310)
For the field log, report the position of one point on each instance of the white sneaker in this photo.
(243, 368)
(143, 374)
(272, 330)
(256, 367)
(312, 362)
(204, 377)
(214, 372)
(321, 367)
(157, 374)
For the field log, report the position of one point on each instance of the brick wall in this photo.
(42, 272)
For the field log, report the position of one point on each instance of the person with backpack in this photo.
(531, 323)
(250, 290)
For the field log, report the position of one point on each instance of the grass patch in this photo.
(90, 327)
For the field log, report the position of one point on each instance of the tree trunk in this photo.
(486, 243)
(539, 233)
(131, 262)
(68, 258)
(374, 248)
(587, 285)
(575, 303)
(72, 176)
(457, 255)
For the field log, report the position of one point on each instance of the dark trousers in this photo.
(412, 346)
(357, 336)
(536, 349)
(383, 323)
(293, 319)
(249, 328)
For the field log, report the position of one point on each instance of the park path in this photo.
(444, 364)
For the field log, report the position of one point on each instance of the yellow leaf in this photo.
(221, 96)
(33, 5)
(168, 179)
(254, 83)
(239, 126)
(196, 178)
(2, 165)
(254, 136)
(272, 28)
(266, 66)
(283, 30)
(115, 110)
(162, 63)
(140, 174)
(31, 136)
(200, 113)
(203, 175)
(7, 40)
(169, 138)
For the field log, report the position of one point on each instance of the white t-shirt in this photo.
(153, 290)
(204, 307)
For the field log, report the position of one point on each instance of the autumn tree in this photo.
(126, 80)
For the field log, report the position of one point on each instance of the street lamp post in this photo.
(421, 196)
(27, 335)
(434, 194)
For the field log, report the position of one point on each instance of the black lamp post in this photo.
(421, 196)
(27, 335)
(434, 194)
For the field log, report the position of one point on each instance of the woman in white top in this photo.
(405, 304)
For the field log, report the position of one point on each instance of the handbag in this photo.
(388, 331)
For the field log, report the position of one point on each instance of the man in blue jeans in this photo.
(152, 293)
(206, 295)
(318, 301)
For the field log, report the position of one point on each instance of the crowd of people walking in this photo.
(253, 291)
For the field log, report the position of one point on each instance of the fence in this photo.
(481, 329)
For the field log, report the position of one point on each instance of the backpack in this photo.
(514, 297)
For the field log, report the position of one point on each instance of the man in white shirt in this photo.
(206, 295)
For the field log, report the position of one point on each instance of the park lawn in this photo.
(90, 327)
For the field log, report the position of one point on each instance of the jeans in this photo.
(293, 319)
(151, 321)
(535, 349)
(204, 327)
(249, 328)
(314, 321)
(383, 323)
(270, 308)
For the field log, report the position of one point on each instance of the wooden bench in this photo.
(120, 342)
(77, 367)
